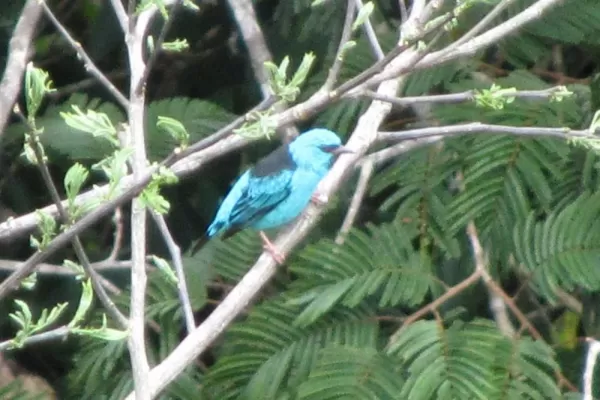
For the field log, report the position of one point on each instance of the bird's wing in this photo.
(269, 183)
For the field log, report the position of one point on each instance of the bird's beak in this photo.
(341, 150)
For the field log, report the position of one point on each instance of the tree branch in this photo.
(459, 97)
(366, 171)
(54, 334)
(480, 128)
(370, 32)
(18, 55)
(334, 71)
(87, 61)
(175, 252)
(490, 37)
(136, 140)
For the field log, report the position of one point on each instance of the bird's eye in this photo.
(329, 148)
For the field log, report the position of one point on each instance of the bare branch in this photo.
(490, 37)
(480, 128)
(54, 334)
(366, 171)
(118, 235)
(370, 32)
(175, 252)
(159, 42)
(334, 71)
(18, 55)
(136, 140)
(459, 97)
(53, 269)
(87, 61)
(497, 304)
(481, 25)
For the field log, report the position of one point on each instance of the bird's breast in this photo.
(303, 185)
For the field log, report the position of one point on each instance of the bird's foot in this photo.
(319, 199)
(268, 246)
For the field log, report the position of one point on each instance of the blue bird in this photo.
(279, 187)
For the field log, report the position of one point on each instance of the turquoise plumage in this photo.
(278, 188)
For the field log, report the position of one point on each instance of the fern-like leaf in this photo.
(383, 266)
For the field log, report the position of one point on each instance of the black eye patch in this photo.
(329, 148)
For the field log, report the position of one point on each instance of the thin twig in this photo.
(480, 128)
(370, 32)
(497, 304)
(18, 55)
(118, 235)
(366, 172)
(54, 334)
(481, 25)
(384, 155)
(450, 293)
(459, 97)
(82, 85)
(53, 269)
(81, 53)
(490, 37)
(334, 71)
(159, 42)
(175, 252)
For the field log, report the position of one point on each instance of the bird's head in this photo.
(316, 148)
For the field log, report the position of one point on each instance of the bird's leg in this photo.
(272, 249)
(319, 199)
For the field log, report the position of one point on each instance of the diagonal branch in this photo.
(334, 71)
(18, 55)
(87, 61)
(175, 252)
(370, 32)
(490, 37)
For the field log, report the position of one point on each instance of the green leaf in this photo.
(87, 296)
(37, 85)
(165, 268)
(363, 15)
(95, 123)
(175, 129)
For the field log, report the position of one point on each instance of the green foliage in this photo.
(382, 266)
(266, 356)
(472, 361)
(560, 248)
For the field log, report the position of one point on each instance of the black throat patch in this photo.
(272, 164)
